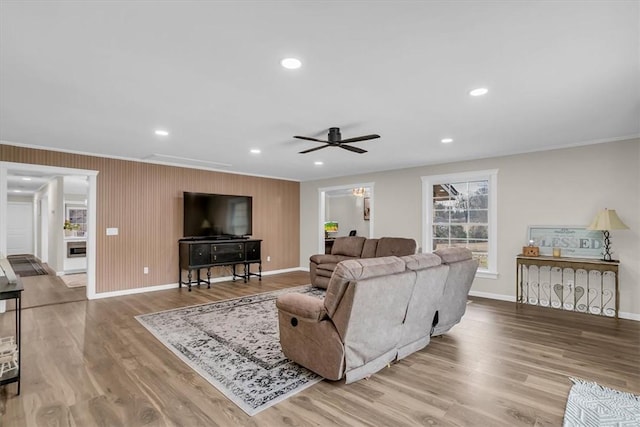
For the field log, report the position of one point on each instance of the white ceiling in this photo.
(23, 183)
(100, 77)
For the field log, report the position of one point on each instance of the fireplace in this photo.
(76, 249)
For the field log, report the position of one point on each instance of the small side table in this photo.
(13, 291)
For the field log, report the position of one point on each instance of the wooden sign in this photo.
(577, 242)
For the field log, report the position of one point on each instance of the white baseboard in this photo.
(510, 298)
(284, 270)
(134, 291)
(629, 316)
(175, 285)
(489, 295)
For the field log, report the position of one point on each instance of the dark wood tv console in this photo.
(200, 254)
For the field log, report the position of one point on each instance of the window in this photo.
(77, 217)
(460, 210)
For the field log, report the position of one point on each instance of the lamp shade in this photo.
(607, 220)
(331, 226)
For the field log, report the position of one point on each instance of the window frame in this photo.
(70, 206)
(490, 175)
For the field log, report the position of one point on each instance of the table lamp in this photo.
(607, 220)
(330, 227)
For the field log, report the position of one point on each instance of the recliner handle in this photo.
(434, 323)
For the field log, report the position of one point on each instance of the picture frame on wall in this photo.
(367, 209)
(573, 241)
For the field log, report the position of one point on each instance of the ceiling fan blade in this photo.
(314, 149)
(354, 149)
(360, 138)
(309, 139)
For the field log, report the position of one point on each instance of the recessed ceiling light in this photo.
(255, 151)
(318, 163)
(26, 179)
(291, 63)
(161, 132)
(446, 140)
(17, 191)
(479, 91)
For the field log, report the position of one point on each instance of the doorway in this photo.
(47, 221)
(345, 210)
(19, 227)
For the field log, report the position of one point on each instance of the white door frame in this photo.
(32, 221)
(322, 196)
(91, 210)
(43, 229)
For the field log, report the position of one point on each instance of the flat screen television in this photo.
(216, 215)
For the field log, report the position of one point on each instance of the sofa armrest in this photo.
(328, 259)
(320, 258)
(302, 306)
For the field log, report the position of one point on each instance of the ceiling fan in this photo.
(335, 140)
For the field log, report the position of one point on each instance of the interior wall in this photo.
(348, 211)
(55, 215)
(42, 224)
(21, 199)
(557, 187)
(144, 201)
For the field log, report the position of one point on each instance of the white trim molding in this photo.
(490, 175)
(322, 195)
(91, 209)
(489, 295)
(146, 289)
(511, 298)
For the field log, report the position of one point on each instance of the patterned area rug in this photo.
(26, 265)
(234, 344)
(592, 405)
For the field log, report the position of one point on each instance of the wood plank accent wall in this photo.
(144, 201)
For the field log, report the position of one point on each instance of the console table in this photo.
(200, 254)
(13, 291)
(574, 284)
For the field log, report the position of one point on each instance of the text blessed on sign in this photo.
(575, 242)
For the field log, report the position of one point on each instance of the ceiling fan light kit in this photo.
(334, 139)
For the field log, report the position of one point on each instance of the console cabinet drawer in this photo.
(227, 252)
(195, 255)
(252, 251)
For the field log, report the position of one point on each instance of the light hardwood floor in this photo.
(49, 289)
(90, 363)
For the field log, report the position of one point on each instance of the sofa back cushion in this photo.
(395, 246)
(349, 246)
(367, 301)
(369, 248)
(431, 276)
(454, 254)
(421, 261)
(354, 270)
(462, 271)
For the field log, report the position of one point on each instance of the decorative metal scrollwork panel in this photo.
(582, 285)
(609, 294)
